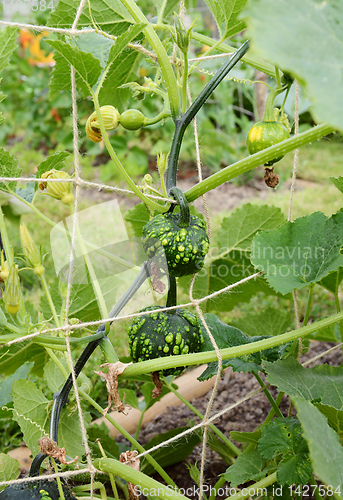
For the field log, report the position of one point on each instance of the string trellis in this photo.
(67, 328)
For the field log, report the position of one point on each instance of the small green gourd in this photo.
(264, 134)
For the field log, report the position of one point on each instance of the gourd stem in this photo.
(182, 123)
(172, 294)
(268, 115)
(61, 397)
(185, 215)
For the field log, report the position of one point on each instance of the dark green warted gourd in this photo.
(180, 238)
(164, 333)
(34, 490)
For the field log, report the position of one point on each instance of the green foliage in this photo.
(6, 385)
(321, 384)
(111, 17)
(11, 358)
(238, 230)
(338, 182)
(109, 444)
(301, 252)
(249, 466)
(228, 336)
(121, 63)
(229, 257)
(246, 437)
(284, 437)
(270, 321)
(226, 14)
(87, 68)
(8, 43)
(325, 451)
(334, 418)
(9, 468)
(8, 168)
(30, 411)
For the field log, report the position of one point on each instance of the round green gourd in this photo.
(132, 119)
(34, 490)
(163, 333)
(184, 248)
(265, 134)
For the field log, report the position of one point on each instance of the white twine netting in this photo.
(68, 328)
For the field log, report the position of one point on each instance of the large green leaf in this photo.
(270, 321)
(322, 384)
(226, 14)
(306, 39)
(332, 281)
(12, 357)
(97, 45)
(221, 273)
(69, 431)
(30, 411)
(326, 453)
(121, 62)
(60, 77)
(8, 168)
(6, 385)
(137, 216)
(228, 260)
(9, 468)
(248, 467)
(301, 252)
(109, 15)
(53, 375)
(87, 68)
(84, 304)
(8, 43)
(334, 418)
(228, 336)
(237, 230)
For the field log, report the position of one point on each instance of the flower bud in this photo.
(162, 162)
(4, 271)
(182, 36)
(12, 293)
(110, 117)
(59, 190)
(31, 252)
